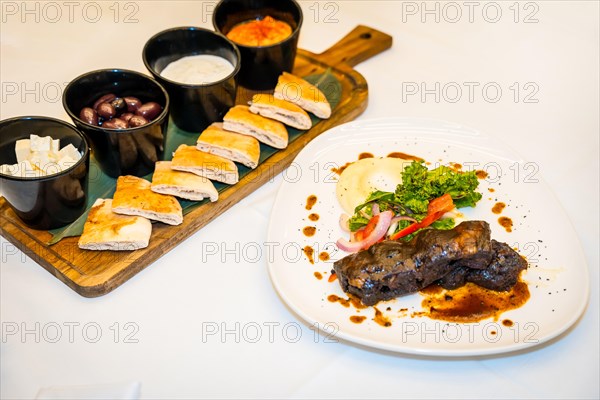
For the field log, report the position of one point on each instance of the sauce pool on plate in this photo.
(309, 231)
(311, 201)
(200, 69)
(309, 253)
(471, 303)
(260, 32)
(498, 207)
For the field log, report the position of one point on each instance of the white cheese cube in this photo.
(66, 162)
(26, 170)
(39, 143)
(51, 168)
(40, 159)
(22, 150)
(55, 146)
(40, 156)
(69, 151)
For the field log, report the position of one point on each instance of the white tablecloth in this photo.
(157, 328)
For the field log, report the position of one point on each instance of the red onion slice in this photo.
(379, 232)
(375, 209)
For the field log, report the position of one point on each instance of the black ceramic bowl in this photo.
(261, 65)
(193, 107)
(45, 202)
(131, 151)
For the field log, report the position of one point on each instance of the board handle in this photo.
(359, 45)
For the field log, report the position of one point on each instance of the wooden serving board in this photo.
(95, 273)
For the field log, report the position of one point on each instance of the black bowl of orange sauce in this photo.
(266, 33)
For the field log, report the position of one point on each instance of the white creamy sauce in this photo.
(197, 70)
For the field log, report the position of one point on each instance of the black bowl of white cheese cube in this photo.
(44, 165)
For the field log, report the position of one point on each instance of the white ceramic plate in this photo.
(557, 277)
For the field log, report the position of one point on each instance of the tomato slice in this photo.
(371, 225)
(406, 231)
(443, 203)
(366, 230)
(435, 209)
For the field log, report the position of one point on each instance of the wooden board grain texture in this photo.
(95, 273)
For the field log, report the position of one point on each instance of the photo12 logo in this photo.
(471, 92)
(53, 12)
(253, 252)
(453, 12)
(319, 11)
(450, 333)
(69, 331)
(32, 92)
(266, 332)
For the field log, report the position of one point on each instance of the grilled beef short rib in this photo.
(450, 257)
(501, 274)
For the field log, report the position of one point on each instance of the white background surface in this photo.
(177, 299)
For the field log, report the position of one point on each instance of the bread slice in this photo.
(105, 230)
(280, 110)
(190, 159)
(298, 91)
(181, 184)
(134, 197)
(231, 145)
(239, 119)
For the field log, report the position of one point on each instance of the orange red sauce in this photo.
(260, 32)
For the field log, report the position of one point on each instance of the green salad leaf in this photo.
(419, 186)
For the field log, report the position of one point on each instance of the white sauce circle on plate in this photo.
(359, 179)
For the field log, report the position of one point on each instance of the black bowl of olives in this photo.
(124, 115)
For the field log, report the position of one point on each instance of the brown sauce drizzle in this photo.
(404, 156)
(506, 223)
(481, 174)
(381, 319)
(340, 169)
(313, 217)
(309, 231)
(472, 303)
(395, 154)
(356, 302)
(358, 319)
(498, 207)
(324, 256)
(318, 275)
(337, 299)
(351, 300)
(403, 312)
(311, 201)
(308, 252)
(491, 190)
(507, 322)
(457, 166)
